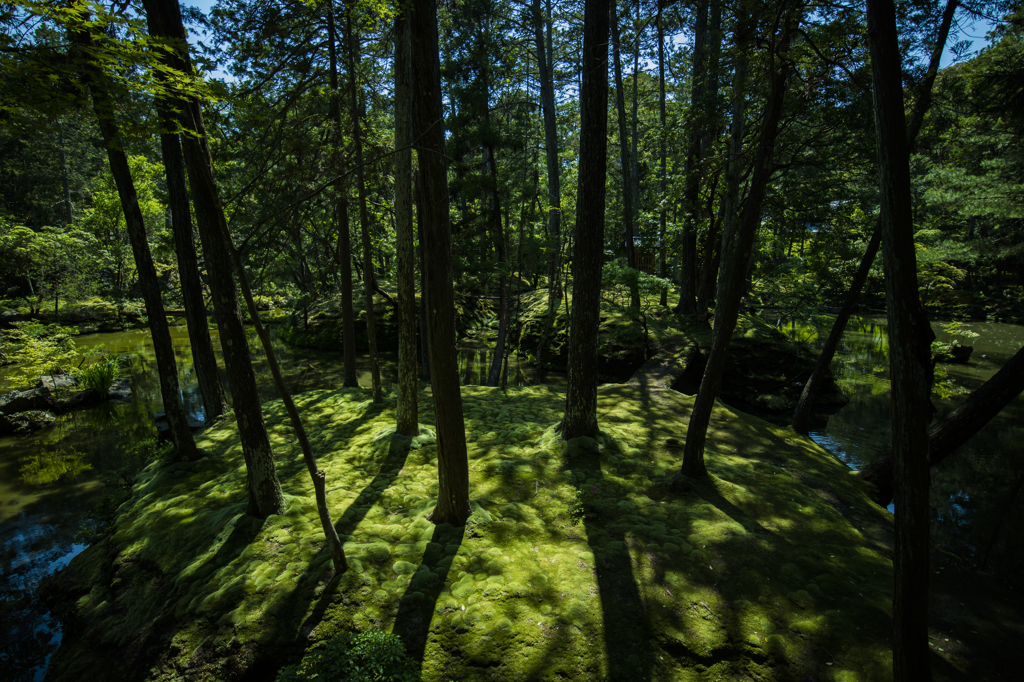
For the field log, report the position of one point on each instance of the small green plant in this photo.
(99, 376)
(372, 656)
(582, 507)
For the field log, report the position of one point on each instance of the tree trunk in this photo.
(688, 286)
(498, 234)
(910, 363)
(452, 462)
(420, 211)
(624, 155)
(64, 174)
(737, 249)
(663, 153)
(264, 488)
(163, 348)
(802, 414)
(547, 98)
(956, 428)
(408, 410)
(348, 324)
(203, 358)
(364, 218)
(581, 393)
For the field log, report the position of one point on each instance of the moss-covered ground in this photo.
(774, 567)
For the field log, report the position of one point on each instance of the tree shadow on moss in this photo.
(625, 622)
(416, 607)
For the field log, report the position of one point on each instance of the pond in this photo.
(975, 513)
(39, 525)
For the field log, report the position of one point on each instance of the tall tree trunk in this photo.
(498, 234)
(663, 153)
(802, 414)
(408, 410)
(734, 258)
(546, 70)
(688, 287)
(203, 357)
(581, 393)
(452, 462)
(910, 363)
(348, 323)
(264, 488)
(364, 218)
(624, 155)
(420, 211)
(163, 348)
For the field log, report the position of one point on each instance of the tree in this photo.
(910, 363)
(452, 461)
(628, 174)
(546, 68)
(264, 488)
(581, 393)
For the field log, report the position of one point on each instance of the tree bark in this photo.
(957, 427)
(348, 324)
(264, 488)
(498, 234)
(364, 218)
(408, 410)
(688, 261)
(663, 153)
(203, 358)
(452, 462)
(546, 69)
(626, 162)
(581, 393)
(736, 251)
(910, 363)
(802, 414)
(163, 348)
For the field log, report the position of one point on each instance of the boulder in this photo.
(120, 391)
(163, 428)
(23, 401)
(25, 422)
(57, 382)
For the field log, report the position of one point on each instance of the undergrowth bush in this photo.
(372, 656)
(99, 376)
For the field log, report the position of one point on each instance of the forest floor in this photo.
(775, 567)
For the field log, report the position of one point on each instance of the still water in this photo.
(39, 524)
(977, 505)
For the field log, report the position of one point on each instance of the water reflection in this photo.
(976, 498)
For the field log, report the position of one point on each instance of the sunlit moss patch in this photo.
(754, 571)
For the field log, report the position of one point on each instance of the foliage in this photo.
(371, 656)
(98, 376)
(38, 349)
(48, 264)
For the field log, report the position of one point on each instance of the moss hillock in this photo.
(768, 569)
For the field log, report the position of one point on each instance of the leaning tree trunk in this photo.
(956, 428)
(734, 259)
(408, 410)
(910, 363)
(364, 218)
(581, 393)
(547, 99)
(625, 161)
(802, 414)
(452, 461)
(210, 387)
(348, 325)
(163, 348)
(264, 488)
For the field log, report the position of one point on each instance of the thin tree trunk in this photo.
(959, 426)
(420, 210)
(364, 218)
(581, 394)
(802, 414)
(264, 488)
(663, 153)
(688, 287)
(734, 258)
(163, 348)
(498, 234)
(452, 462)
(408, 410)
(348, 324)
(624, 155)
(547, 99)
(203, 358)
(64, 174)
(910, 362)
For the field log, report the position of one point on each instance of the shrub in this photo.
(372, 656)
(99, 376)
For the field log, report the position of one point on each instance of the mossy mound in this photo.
(768, 569)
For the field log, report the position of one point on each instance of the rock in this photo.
(57, 382)
(163, 428)
(80, 399)
(25, 422)
(120, 391)
(23, 401)
(9, 317)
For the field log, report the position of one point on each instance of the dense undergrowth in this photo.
(771, 569)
